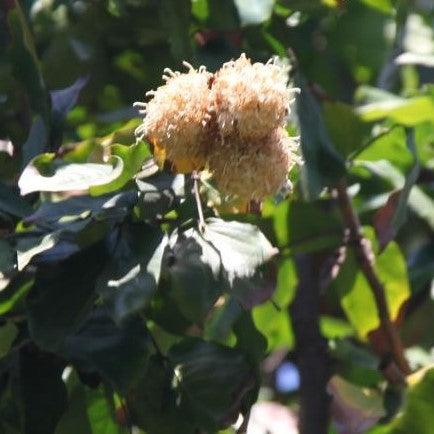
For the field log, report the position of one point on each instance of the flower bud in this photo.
(251, 99)
(177, 118)
(255, 169)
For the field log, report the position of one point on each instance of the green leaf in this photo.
(254, 12)
(194, 275)
(242, 247)
(159, 193)
(347, 131)
(335, 328)
(384, 6)
(8, 333)
(37, 141)
(152, 402)
(11, 203)
(118, 353)
(323, 166)
(275, 325)
(420, 203)
(408, 112)
(36, 391)
(301, 227)
(69, 177)
(356, 295)
(75, 418)
(244, 254)
(7, 260)
(49, 213)
(389, 219)
(131, 277)
(132, 158)
(354, 408)
(417, 413)
(62, 101)
(212, 382)
(60, 299)
(175, 16)
(26, 68)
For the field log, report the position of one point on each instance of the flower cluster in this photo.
(231, 122)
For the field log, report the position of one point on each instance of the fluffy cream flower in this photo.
(177, 118)
(254, 169)
(251, 99)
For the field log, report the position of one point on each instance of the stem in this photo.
(311, 348)
(364, 254)
(196, 192)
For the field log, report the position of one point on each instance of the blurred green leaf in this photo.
(354, 409)
(417, 412)
(176, 16)
(347, 131)
(389, 219)
(408, 112)
(356, 295)
(26, 67)
(420, 203)
(300, 226)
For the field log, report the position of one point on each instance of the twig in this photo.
(311, 348)
(364, 255)
(195, 177)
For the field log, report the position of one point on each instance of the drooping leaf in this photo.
(62, 101)
(37, 141)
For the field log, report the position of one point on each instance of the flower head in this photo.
(177, 118)
(254, 169)
(251, 99)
